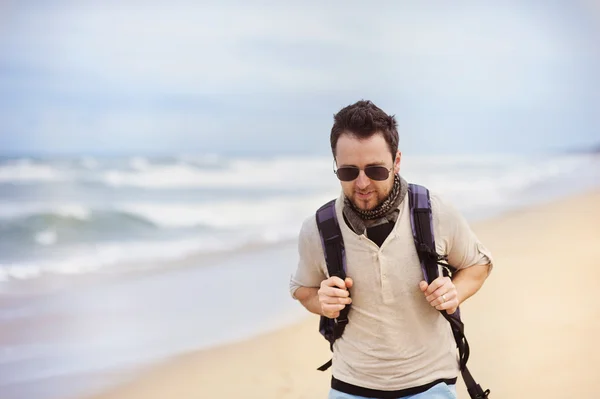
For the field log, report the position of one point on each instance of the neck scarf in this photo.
(387, 211)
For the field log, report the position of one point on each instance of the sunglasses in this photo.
(349, 173)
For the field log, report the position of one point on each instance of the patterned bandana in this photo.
(387, 211)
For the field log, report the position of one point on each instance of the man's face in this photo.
(364, 192)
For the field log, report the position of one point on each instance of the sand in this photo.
(533, 327)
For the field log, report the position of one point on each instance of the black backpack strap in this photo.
(335, 258)
(422, 227)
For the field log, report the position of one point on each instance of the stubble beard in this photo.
(377, 199)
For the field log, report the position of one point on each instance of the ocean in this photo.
(108, 264)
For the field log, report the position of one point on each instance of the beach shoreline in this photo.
(543, 322)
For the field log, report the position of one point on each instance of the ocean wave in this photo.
(122, 257)
(493, 177)
(173, 173)
(230, 213)
(12, 210)
(27, 171)
(84, 239)
(100, 229)
(47, 229)
(216, 214)
(282, 173)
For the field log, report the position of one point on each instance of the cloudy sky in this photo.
(266, 77)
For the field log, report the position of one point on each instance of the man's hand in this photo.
(334, 296)
(441, 294)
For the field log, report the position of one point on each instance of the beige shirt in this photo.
(394, 339)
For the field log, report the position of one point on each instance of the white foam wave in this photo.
(93, 258)
(230, 214)
(285, 172)
(75, 211)
(14, 210)
(47, 237)
(24, 170)
(121, 257)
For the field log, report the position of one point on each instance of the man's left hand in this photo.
(441, 294)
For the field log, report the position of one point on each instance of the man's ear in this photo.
(397, 162)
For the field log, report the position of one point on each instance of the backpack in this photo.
(422, 228)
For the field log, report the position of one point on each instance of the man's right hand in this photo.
(334, 296)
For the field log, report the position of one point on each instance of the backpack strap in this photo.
(422, 227)
(421, 222)
(335, 258)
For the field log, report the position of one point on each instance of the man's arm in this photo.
(468, 281)
(465, 252)
(309, 298)
(332, 294)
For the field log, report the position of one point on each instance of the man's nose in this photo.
(362, 181)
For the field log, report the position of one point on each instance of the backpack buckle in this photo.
(442, 258)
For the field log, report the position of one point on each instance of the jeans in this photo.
(439, 391)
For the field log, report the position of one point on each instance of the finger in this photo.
(444, 285)
(437, 283)
(325, 293)
(450, 305)
(349, 282)
(333, 315)
(337, 300)
(335, 292)
(423, 286)
(341, 293)
(332, 308)
(437, 295)
(335, 281)
(441, 295)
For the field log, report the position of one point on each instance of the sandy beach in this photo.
(531, 328)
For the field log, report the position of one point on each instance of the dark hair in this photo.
(362, 120)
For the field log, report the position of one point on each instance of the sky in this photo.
(266, 77)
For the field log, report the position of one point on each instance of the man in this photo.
(396, 344)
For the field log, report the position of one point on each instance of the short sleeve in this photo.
(455, 238)
(311, 262)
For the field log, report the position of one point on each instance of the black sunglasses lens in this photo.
(377, 172)
(347, 174)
